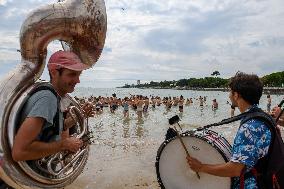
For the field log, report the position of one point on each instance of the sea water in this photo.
(124, 150)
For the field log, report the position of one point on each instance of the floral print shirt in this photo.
(250, 144)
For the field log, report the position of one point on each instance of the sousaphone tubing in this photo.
(81, 24)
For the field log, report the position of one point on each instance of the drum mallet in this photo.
(172, 121)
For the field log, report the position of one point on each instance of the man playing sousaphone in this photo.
(252, 141)
(43, 130)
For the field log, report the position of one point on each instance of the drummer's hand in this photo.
(194, 164)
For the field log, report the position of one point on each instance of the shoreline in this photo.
(266, 90)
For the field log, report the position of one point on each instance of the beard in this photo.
(234, 104)
(70, 88)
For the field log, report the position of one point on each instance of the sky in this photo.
(157, 40)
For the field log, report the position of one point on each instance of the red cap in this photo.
(66, 59)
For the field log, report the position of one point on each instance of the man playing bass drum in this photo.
(252, 141)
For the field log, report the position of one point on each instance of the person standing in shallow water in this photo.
(180, 103)
(268, 106)
(201, 101)
(214, 104)
(245, 92)
(140, 103)
(125, 105)
(146, 104)
(153, 102)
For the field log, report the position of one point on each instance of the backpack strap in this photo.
(242, 178)
(257, 113)
(49, 132)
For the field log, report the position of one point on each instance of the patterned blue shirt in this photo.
(251, 143)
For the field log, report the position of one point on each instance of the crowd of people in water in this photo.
(141, 104)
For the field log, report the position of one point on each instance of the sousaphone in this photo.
(82, 25)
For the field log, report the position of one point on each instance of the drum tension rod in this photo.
(172, 121)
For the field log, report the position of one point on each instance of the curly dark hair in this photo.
(249, 86)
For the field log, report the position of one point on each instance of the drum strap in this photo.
(230, 120)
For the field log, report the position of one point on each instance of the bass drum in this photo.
(173, 171)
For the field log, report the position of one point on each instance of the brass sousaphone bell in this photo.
(82, 24)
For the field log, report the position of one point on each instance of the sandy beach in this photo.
(131, 170)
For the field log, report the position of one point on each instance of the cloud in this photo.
(4, 2)
(169, 40)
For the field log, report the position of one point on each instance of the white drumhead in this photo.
(175, 172)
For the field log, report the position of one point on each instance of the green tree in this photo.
(215, 73)
(274, 79)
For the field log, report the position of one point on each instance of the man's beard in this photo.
(234, 105)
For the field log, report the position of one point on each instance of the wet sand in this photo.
(132, 169)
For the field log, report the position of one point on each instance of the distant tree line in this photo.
(271, 80)
(274, 80)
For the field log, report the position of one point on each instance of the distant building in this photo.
(138, 82)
